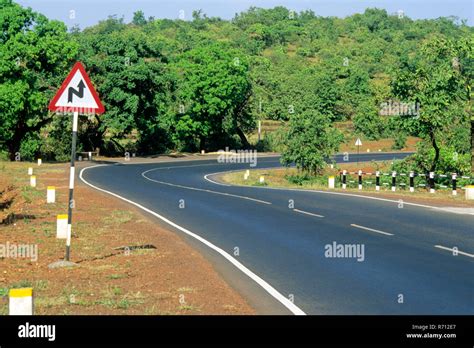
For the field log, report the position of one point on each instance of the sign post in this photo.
(76, 95)
(358, 144)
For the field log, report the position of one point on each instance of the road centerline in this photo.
(308, 213)
(454, 251)
(372, 230)
(202, 190)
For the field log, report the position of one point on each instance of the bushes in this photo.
(400, 141)
(449, 162)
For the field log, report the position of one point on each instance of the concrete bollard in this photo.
(30, 171)
(51, 194)
(331, 182)
(262, 179)
(61, 227)
(21, 301)
(470, 192)
(33, 180)
(39, 161)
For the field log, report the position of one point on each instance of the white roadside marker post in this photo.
(262, 179)
(394, 181)
(30, 171)
(432, 183)
(21, 301)
(51, 194)
(39, 162)
(454, 177)
(360, 179)
(412, 181)
(61, 226)
(33, 180)
(470, 192)
(331, 182)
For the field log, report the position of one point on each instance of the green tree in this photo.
(35, 56)
(130, 72)
(310, 141)
(437, 82)
(214, 89)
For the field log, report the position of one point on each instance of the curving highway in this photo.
(302, 252)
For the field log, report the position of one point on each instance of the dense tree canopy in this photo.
(34, 54)
(202, 84)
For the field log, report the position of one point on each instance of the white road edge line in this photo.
(199, 189)
(307, 213)
(452, 250)
(372, 230)
(266, 286)
(332, 193)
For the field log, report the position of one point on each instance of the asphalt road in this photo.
(406, 266)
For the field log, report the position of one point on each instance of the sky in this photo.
(89, 12)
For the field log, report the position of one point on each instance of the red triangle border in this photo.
(78, 66)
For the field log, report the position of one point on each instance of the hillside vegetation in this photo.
(175, 85)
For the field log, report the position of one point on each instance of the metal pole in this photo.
(259, 129)
(358, 147)
(75, 121)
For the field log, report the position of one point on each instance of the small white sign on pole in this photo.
(358, 142)
(61, 227)
(51, 194)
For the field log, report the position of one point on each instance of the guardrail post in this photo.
(360, 179)
(344, 181)
(394, 181)
(377, 181)
(432, 183)
(412, 181)
(454, 179)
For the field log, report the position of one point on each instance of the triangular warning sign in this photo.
(358, 142)
(77, 94)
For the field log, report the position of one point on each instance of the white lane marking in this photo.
(337, 193)
(305, 212)
(266, 286)
(215, 182)
(371, 229)
(453, 250)
(202, 190)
